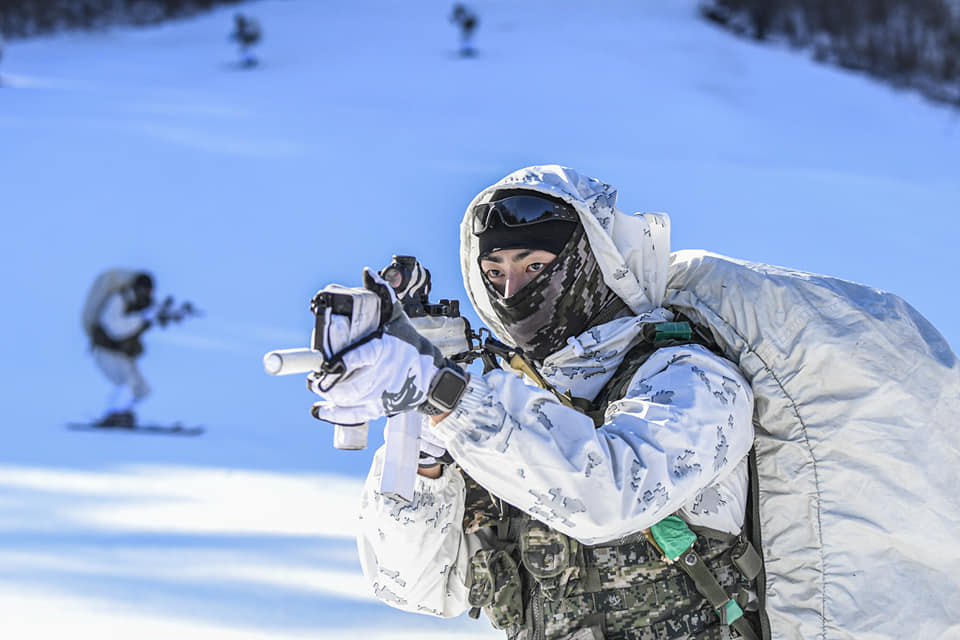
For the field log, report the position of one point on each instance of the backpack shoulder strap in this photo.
(656, 336)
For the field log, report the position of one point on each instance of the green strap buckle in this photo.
(730, 612)
(661, 331)
(673, 536)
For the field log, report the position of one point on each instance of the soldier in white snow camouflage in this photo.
(548, 519)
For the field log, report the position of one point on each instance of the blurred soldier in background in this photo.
(467, 21)
(118, 309)
(246, 33)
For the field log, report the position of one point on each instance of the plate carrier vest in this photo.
(539, 584)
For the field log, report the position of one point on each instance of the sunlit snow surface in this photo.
(362, 135)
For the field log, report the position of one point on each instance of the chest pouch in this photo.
(494, 580)
(553, 559)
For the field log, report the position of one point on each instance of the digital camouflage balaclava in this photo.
(565, 299)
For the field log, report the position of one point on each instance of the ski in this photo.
(154, 429)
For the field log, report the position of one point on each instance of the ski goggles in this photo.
(519, 211)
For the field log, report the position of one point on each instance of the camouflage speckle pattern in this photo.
(434, 612)
(406, 398)
(580, 372)
(626, 589)
(731, 388)
(550, 557)
(627, 586)
(637, 472)
(622, 590)
(495, 585)
(700, 373)
(553, 506)
(501, 431)
(560, 302)
(720, 457)
(708, 501)
(593, 461)
(685, 464)
(641, 389)
(481, 509)
(640, 596)
(622, 383)
(440, 516)
(657, 496)
(663, 396)
(542, 417)
(590, 360)
(421, 499)
(384, 593)
(602, 211)
(678, 358)
(393, 575)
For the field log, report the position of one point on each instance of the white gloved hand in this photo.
(387, 374)
(432, 449)
(345, 316)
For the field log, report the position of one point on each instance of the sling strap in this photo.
(674, 539)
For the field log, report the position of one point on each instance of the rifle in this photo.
(442, 324)
(168, 311)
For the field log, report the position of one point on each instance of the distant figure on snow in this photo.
(118, 309)
(467, 21)
(246, 33)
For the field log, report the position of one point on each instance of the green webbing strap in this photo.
(726, 607)
(673, 537)
(661, 331)
(675, 540)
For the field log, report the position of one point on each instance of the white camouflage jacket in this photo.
(116, 322)
(676, 443)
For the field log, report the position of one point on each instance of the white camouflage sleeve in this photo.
(116, 322)
(684, 423)
(415, 555)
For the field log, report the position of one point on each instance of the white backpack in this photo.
(858, 446)
(106, 284)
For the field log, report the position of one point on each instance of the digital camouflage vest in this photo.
(538, 584)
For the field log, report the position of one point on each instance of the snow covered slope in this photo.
(245, 191)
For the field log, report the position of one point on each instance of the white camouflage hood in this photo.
(633, 251)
